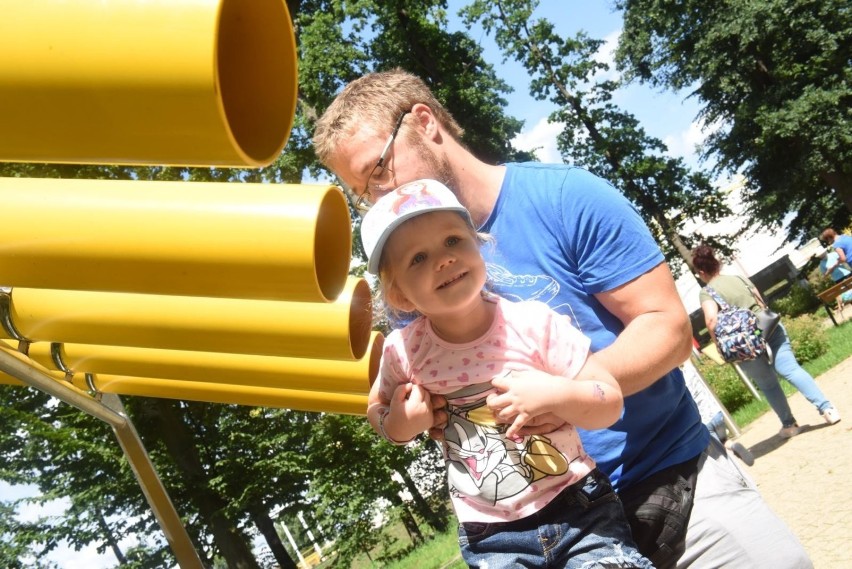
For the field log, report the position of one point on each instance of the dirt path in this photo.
(807, 480)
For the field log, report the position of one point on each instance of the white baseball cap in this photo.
(407, 201)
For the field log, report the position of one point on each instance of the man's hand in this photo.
(439, 417)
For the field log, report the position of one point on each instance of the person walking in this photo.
(737, 291)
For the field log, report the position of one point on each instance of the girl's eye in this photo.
(452, 241)
(418, 258)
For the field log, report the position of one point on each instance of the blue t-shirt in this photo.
(840, 272)
(844, 242)
(562, 235)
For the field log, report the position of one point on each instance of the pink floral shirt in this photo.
(492, 477)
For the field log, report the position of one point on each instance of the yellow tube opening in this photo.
(360, 318)
(376, 356)
(259, 100)
(332, 253)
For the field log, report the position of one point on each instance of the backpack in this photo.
(738, 337)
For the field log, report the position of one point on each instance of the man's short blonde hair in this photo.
(376, 99)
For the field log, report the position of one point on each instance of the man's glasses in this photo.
(381, 175)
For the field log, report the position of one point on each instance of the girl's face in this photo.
(434, 265)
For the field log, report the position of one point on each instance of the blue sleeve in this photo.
(610, 242)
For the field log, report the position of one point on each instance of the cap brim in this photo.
(376, 257)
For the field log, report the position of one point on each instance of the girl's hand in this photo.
(521, 397)
(410, 412)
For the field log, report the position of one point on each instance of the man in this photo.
(841, 243)
(565, 237)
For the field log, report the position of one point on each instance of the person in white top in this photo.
(521, 499)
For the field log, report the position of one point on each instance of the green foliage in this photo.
(774, 76)
(725, 383)
(807, 337)
(597, 134)
(799, 300)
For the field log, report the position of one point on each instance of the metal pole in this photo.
(152, 487)
(112, 413)
(746, 380)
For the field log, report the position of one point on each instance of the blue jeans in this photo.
(584, 526)
(766, 378)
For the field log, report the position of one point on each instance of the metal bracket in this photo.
(6, 315)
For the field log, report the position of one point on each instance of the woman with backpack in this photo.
(739, 292)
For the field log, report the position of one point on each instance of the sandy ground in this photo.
(807, 480)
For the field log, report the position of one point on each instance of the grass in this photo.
(440, 552)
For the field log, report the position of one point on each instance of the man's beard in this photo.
(438, 167)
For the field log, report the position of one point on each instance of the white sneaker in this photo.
(831, 415)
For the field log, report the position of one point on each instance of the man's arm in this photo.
(657, 334)
(841, 254)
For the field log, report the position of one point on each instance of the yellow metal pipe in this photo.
(235, 369)
(180, 82)
(6, 379)
(319, 401)
(8, 349)
(337, 330)
(260, 241)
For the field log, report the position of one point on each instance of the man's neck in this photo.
(478, 183)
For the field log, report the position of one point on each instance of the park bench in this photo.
(830, 297)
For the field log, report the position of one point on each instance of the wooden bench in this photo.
(830, 297)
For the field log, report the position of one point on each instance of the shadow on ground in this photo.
(775, 442)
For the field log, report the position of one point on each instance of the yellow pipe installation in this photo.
(6, 346)
(326, 401)
(171, 82)
(334, 330)
(259, 241)
(235, 369)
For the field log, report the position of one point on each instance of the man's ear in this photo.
(398, 300)
(427, 121)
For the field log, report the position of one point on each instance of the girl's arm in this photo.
(407, 414)
(591, 400)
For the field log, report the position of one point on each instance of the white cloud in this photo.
(541, 138)
(64, 555)
(685, 143)
(606, 54)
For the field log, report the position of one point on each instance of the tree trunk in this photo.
(407, 519)
(110, 538)
(180, 443)
(436, 522)
(266, 527)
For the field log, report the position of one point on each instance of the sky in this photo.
(663, 114)
(667, 116)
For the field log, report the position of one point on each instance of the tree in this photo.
(231, 469)
(598, 135)
(775, 76)
(63, 452)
